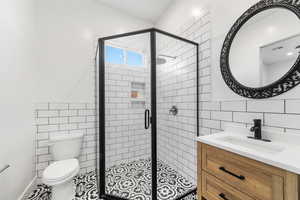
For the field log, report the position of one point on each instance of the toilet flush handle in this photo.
(4, 168)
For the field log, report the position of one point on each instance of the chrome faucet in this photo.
(257, 131)
(173, 110)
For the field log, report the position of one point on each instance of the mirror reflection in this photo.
(265, 48)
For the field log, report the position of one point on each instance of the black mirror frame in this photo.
(285, 83)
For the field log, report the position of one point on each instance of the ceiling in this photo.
(149, 10)
(280, 51)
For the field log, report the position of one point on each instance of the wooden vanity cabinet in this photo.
(223, 175)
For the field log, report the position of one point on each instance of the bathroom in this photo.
(150, 99)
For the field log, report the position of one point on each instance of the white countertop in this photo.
(287, 157)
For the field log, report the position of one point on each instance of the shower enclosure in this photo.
(148, 115)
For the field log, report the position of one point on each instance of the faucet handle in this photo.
(254, 128)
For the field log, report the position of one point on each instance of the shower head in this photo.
(161, 61)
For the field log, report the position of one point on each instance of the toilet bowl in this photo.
(60, 176)
(65, 148)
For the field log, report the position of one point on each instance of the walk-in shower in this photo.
(145, 151)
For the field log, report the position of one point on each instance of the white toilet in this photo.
(65, 148)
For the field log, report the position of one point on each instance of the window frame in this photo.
(125, 51)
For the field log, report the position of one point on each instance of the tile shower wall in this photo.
(176, 86)
(126, 137)
(65, 118)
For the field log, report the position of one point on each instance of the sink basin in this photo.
(256, 145)
(282, 152)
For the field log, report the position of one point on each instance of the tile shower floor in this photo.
(130, 180)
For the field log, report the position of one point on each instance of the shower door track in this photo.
(101, 108)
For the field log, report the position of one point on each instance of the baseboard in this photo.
(28, 189)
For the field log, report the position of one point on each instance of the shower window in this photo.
(114, 55)
(134, 59)
(123, 56)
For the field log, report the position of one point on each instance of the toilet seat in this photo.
(60, 171)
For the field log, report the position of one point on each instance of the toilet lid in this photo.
(61, 169)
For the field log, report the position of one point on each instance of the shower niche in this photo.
(138, 95)
(145, 154)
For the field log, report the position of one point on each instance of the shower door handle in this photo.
(147, 119)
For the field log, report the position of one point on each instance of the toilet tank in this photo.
(65, 146)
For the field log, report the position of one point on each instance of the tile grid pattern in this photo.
(176, 135)
(176, 86)
(282, 115)
(126, 138)
(65, 118)
(216, 115)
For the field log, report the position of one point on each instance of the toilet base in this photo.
(65, 191)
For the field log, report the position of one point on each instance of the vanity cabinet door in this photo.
(253, 178)
(214, 189)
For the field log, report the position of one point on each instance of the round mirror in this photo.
(260, 55)
(265, 48)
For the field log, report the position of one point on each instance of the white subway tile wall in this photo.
(281, 115)
(126, 138)
(66, 118)
(176, 86)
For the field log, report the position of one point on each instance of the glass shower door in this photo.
(148, 116)
(128, 172)
(176, 88)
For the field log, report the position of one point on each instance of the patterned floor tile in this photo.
(133, 181)
(86, 189)
(130, 180)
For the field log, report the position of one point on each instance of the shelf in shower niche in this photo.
(138, 91)
(138, 104)
(138, 85)
(138, 99)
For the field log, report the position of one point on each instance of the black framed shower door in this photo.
(153, 116)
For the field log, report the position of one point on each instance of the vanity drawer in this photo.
(253, 178)
(214, 189)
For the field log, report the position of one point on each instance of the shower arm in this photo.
(167, 56)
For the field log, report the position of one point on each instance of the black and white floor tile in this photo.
(86, 189)
(129, 180)
(133, 181)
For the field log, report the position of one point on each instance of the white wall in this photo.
(276, 70)
(67, 32)
(61, 69)
(17, 82)
(179, 13)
